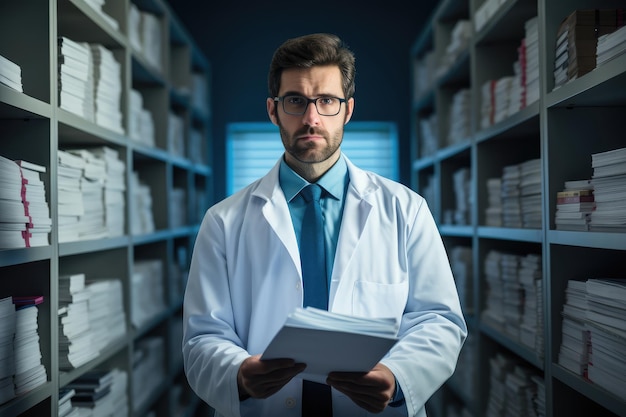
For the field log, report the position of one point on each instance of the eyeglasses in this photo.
(297, 105)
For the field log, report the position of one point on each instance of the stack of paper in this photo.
(29, 371)
(10, 74)
(35, 203)
(148, 369)
(530, 193)
(493, 212)
(609, 183)
(486, 104)
(459, 43)
(97, 6)
(108, 88)
(7, 354)
(428, 141)
(142, 220)
(197, 151)
(501, 96)
(178, 207)
(531, 64)
(511, 193)
(66, 409)
(140, 121)
(517, 88)
(107, 318)
(462, 183)
(424, 73)
(530, 278)
(70, 207)
(575, 341)
(574, 205)
(76, 345)
(611, 45)
(460, 117)
(114, 190)
(461, 263)
(145, 35)
(175, 134)
(147, 291)
(101, 393)
(76, 82)
(328, 342)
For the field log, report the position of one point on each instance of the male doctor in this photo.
(384, 257)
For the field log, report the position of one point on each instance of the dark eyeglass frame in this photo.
(309, 101)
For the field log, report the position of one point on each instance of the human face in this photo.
(311, 141)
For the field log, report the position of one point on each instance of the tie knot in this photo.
(311, 192)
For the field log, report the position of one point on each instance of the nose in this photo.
(311, 117)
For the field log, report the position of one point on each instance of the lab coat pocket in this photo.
(377, 300)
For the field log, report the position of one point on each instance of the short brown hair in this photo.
(309, 51)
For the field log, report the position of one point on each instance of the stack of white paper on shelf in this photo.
(175, 134)
(114, 190)
(76, 82)
(461, 263)
(145, 35)
(530, 278)
(531, 63)
(101, 393)
(107, 318)
(76, 345)
(142, 220)
(35, 203)
(493, 212)
(97, 6)
(530, 193)
(10, 74)
(460, 117)
(178, 207)
(493, 313)
(512, 294)
(486, 104)
(461, 180)
(108, 88)
(428, 142)
(70, 197)
(574, 205)
(609, 184)
(575, 341)
(485, 12)
(29, 371)
(516, 89)
(7, 354)
(196, 147)
(606, 301)
(199, 93)
(148, 369)
(611, 45)
(459, 43)
(539, 400)
(147, 292)
(501, 96)
(511, 203)
(140, 122)
(66, 409)
(424, 73)
(134, 26)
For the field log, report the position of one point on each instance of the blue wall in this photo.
(239, 39)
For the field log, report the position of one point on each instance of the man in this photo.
(383, 258)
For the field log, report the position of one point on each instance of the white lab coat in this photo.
(245, 279)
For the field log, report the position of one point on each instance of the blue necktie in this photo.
(316, 398)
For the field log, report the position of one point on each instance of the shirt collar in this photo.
(334, 181)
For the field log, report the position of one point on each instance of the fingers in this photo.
(372, 390)
(260, 379)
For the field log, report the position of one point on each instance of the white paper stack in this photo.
(462, 183)
(487, 110)
(175, 134)
(147, 292)
(148, 369)
(516, 89)
(511, 204)
(611, 45)
(493, 212)
(501, 97)
(485, 12)
(29, 371)
(459, 43)
(460, 118)
(97, 6)
(7, 354)
(140, 121)
(101, 393)
(609, 184)
(70, 207)
(108, 88)
(574, 205)
(107, 318)
(145, 35)
(142, 220)
(76, 345)
(196, 147)
(35, 203)
(76, 82)
(531, 67)
(10, 74)
(428, 136)
(114, 190)
(424, 73)
(461, 263)
(178, 207)
(66, 409)
(575, 341)
(530, 278)
(530, 193)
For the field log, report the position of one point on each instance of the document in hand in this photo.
(328, 342)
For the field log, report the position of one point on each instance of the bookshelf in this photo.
(562, 128)
(160, 64)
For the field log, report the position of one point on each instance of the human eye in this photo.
(327, 101)
(295, 100)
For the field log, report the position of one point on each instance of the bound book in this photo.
(329, 342)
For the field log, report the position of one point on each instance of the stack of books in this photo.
(176, 135)
(147, 291)
(29, 371)
(107, 318)
(101, 393)
(459, 44)
(461, 263)
(511, 201)
(577, 39)
(493, 212)
(107, 77)
(530, 278)
(145, 35)
(178, 207)
(114, 190)
(574, 205)
(462, 183)
(530, 74)
(460, 117)
(66, 409)
(7, 354)
(71, 207)
(142, 218)
(611, 45)
(76, 345)
(76, 82)
(10, 74)
(140, 121)
(493, 312)
(429, 143)
(609, 190)
(24, 212)
(575, 341)
(530, 193)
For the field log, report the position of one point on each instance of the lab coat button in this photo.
(290, 402)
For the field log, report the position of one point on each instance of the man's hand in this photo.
(260, 379)
(372, 390)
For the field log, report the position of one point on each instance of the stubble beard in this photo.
(311, 152)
